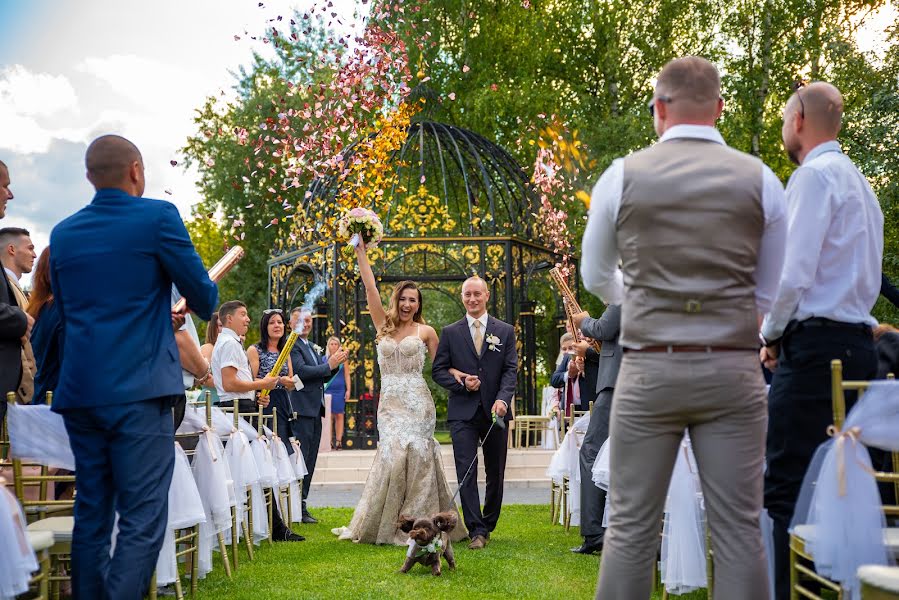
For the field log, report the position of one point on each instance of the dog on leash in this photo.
(429, 540)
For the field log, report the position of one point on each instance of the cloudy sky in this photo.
(70, 71)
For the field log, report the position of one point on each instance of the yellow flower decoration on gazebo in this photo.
(423, 213)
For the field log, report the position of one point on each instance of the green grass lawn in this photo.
(526, 558)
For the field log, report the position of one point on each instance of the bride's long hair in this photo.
(392, 323)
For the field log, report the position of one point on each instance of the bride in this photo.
(407, 476)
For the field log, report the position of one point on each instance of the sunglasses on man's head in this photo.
(652, 103)
(798, 85)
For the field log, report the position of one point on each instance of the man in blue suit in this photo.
(112, 270)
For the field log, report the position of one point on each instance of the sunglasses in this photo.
(652, 103)
(269, 311)
(798, 85)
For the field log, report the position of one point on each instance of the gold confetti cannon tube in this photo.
(282, 358)
(218, 270)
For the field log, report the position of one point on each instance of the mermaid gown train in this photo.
(406, 477)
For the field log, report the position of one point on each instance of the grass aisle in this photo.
(527, 559)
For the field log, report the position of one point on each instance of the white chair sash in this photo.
(37, 434)
(683, 564)
(17, 559)
(839, 497)
(185, 510)
(214, 481)
(299, 463)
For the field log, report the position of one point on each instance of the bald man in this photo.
(482, 348)
(112, 270)
(699, 230)
(822, 311)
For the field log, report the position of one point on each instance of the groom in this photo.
(483, 349)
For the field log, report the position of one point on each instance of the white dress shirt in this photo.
(834, 247)
(229, 352)
(186, 376)
(483, 320)
(599, 250)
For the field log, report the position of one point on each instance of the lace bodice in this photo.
(406, 357)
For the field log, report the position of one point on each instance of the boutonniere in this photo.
(493, 342)
(317, 348)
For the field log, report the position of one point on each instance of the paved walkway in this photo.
(348, 495)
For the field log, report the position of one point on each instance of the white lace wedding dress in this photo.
(406, 477)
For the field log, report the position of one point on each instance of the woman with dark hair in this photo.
(46, 336)
(262, 358)
(213, 328)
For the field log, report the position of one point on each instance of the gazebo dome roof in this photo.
(450, 182)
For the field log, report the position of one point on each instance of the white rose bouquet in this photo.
(360, 224)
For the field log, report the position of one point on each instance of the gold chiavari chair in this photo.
(879, 582)
(566, 481)
(269, 493)
(223, 547)
(41, 542)
(801, 563)
(46, 515)
(246, 524)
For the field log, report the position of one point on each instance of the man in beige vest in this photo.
(17, 257)
(699, 231)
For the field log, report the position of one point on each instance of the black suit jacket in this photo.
(588, 379)
(307, 364)
(498, 369)
(13, 325)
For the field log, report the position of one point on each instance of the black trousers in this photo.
(309, 431)
(593, 499)
(466, 435)
(247, 406)
(799, 412)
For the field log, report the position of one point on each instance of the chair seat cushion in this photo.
(879, 577)
(890, 536)
(40, 540)
(60, 527)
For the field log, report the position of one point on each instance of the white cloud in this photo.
(35, 94)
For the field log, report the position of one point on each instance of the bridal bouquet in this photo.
(360, 223)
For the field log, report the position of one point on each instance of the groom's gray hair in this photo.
(476, 278)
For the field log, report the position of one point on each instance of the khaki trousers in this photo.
(720, 398)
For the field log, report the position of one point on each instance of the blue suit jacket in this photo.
(497, 369)
(112, 268)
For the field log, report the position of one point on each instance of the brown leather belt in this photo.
(673, 349)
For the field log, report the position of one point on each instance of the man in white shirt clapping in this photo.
(822, 310)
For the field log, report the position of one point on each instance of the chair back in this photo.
(839, 387)
(31, 479)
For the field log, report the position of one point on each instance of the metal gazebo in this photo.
(459, 205)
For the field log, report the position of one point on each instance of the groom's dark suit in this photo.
(468, 413)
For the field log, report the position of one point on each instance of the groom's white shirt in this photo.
(471, 320)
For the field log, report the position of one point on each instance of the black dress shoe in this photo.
(287, 536)
(309, 519)
(588, 548)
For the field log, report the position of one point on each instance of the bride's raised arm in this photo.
(375, 308)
